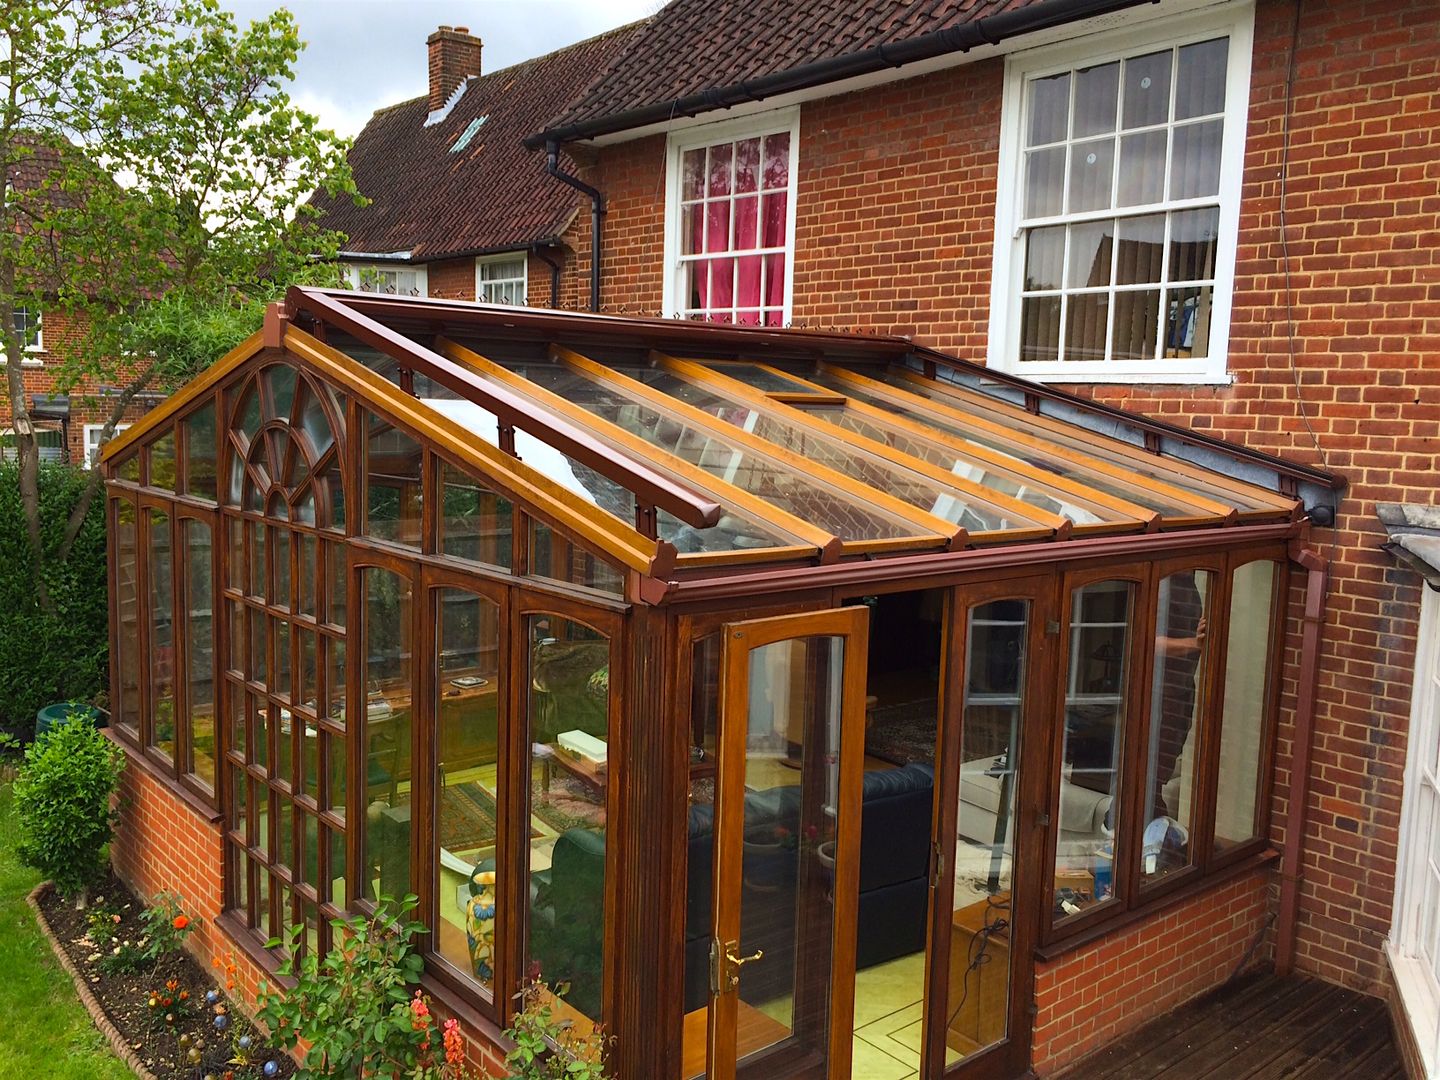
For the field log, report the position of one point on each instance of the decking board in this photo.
(1257, 1028)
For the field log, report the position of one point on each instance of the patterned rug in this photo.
(902, 733)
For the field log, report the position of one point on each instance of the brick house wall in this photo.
(895, 234)
(39, 371)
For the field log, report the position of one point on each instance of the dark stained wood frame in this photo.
(1029, 882)
(651, 665)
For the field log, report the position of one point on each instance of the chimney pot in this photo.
(454, 57)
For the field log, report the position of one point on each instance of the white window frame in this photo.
(353, 270)
(33, 352)
(495, 260)
(688, 138)
(1235, 20)
(1415, 978)
(92, 434)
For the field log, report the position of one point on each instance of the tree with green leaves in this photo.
(155, 182)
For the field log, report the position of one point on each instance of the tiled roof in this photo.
(493, 194)
(695, 45)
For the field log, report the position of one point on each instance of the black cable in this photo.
(977, 960)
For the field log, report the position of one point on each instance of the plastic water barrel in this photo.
(52, 715)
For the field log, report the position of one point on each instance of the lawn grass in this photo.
(44, 1030)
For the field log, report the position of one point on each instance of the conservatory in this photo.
(773, 699)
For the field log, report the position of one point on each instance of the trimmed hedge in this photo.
(64, 656)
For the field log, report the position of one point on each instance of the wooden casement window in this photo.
(1160, 767)
(163, 520)
(501, 279)
(285, 730)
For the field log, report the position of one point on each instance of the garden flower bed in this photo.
(173, 1018)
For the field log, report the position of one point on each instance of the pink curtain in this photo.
(748, 285)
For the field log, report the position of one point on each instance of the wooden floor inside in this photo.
(1258, 1028)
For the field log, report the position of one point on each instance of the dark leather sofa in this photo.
(566, 900)
(894, 873)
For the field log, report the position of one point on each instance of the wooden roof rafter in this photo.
(1122, 515)
(812, 542)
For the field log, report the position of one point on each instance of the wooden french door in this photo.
(791, 754)
(989, 870)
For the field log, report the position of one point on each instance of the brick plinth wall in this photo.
(163, 844)
(1088, 997)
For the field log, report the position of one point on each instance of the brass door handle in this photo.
(741, 961)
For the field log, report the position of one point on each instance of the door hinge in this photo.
(1043, 820)
(937, 864)
(1052, 627)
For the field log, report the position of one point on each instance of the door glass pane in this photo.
(387, 683)
(1242, 721)
(792, 779)
(1097, 678)
(569, 726)
(978, 982)
(1176, 702)
(467, 688)
(162, 634)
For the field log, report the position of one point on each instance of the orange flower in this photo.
(181, 922)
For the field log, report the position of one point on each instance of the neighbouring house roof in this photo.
(1414, 537)
(465, 183)
(695, 56)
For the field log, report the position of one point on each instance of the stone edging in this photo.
(118, 1044)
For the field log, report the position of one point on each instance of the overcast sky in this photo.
(365, 54)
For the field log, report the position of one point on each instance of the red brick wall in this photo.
(163, 844)
(452, 279)
(1088, 997)
(894, 233)
(87, 406)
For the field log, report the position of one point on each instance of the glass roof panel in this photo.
(943, 501)
(1082, 442)
(774, 481)
(761, 378)
(1050, 460)
(733, 531)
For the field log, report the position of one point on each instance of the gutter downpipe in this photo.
(1303, 744)
(539, 251)
(597, 213)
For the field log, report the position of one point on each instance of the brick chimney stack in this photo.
(454, 57)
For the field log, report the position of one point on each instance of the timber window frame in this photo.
(1143, 289)
(502, 279)
(698, 204)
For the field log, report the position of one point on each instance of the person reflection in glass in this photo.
(1179, 651)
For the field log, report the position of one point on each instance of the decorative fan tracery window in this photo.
(286, 455)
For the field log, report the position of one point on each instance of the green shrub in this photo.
(354, 1008)
(62, 798)
(548, 1047)
(63, 656)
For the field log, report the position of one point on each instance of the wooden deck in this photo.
(1258, 1028)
